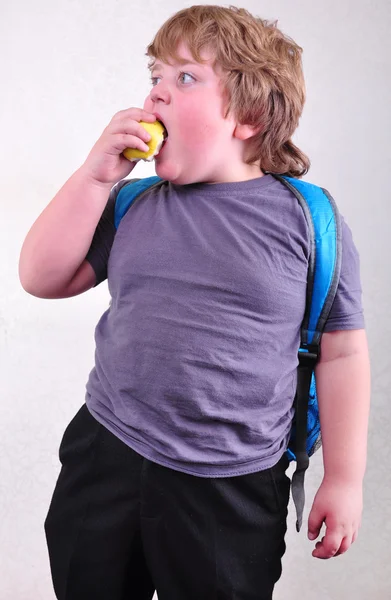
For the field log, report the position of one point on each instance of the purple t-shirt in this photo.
(196, 356)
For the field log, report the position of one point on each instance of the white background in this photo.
(66, 68)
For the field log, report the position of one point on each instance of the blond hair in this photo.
(262, 76)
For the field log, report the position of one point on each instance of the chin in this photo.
(171, 172)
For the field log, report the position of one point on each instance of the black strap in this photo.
(307, 361)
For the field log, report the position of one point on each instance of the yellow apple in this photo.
(158, 133)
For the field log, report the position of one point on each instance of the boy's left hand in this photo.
(339, 505)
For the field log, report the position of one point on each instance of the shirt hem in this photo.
(207, 471)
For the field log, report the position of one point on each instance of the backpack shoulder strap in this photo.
(324, 223)
(129, 192)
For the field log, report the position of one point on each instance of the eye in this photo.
(154, 80)
(183, 75)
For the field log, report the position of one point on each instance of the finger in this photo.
(130, 127)
(345, 545)
(315, 522)
(137, 114)
(328, 546)
(122, 141)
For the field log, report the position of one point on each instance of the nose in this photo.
(160, 93)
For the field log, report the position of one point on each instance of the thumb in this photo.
(315, 522)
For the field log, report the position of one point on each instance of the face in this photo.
(188, 99)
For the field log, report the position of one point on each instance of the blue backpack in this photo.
(324, 268)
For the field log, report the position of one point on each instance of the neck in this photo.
(242, 172)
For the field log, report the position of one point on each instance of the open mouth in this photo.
(165, 136)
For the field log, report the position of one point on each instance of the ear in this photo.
(244, 132)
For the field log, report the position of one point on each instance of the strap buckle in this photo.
(309, 354)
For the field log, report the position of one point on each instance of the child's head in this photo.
(253, 90)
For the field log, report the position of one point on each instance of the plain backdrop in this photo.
(66, 68)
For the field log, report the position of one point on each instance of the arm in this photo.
(52, 260)
(57, 243)
(343, 387)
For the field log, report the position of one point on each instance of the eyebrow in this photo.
(182, 62)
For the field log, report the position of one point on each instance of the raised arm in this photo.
(52, 260)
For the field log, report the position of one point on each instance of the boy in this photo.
(173, 473)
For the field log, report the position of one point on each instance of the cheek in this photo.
(200, 128)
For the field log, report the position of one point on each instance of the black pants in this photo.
(120, 526)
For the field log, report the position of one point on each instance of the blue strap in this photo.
(129, 193)
(325, 223)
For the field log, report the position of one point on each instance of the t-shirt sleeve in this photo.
(347, 311)
(99, 251)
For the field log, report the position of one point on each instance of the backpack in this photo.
(324, 224)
